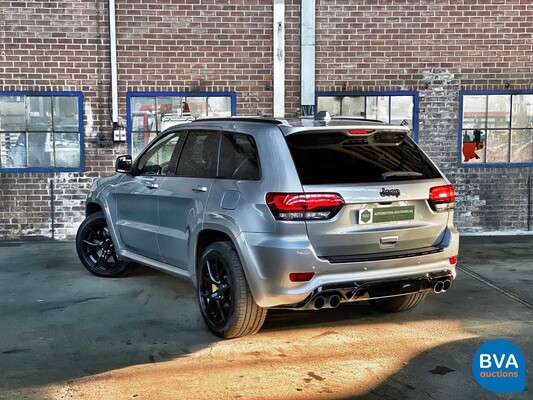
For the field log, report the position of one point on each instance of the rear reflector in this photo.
(453, 260)
(441, 198)
(301, 276)
(304, 206)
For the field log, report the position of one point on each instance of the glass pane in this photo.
(197, 106)
(40, 150)
(353, 106)
(66, 117)
(39, 113)
(12, 113)
(499, 111)
(473, 146)
(198, 155)
(238, 157)
(402, 110)
(521, 145)
(143, 122)
(377, 107)
(13, 150)
(331, 104)
(157, 160)
(474, 111)
(523, 111)
(219, 106)
(67, 150)
(498, 146)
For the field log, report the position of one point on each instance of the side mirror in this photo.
(123, 164)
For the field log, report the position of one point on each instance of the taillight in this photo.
(441, 198)
(304, 206)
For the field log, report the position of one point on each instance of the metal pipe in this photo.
(307, 64)
(113, 60)
(278, 61)
(52, 208)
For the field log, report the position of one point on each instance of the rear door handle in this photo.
(199, 188)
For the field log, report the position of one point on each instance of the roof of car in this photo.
(322, 121)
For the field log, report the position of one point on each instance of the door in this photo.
(137, 196)
(184, 197)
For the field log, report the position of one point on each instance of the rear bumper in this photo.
(269, 259)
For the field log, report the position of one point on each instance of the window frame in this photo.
(129, 95)
(52, 94)
(415, 95)
(460, 162)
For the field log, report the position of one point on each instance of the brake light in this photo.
(304, 206)
(453, 260)
(441, 198)
(359, 132)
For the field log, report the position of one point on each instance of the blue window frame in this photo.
(150, 113)
(400, 108)
(41, 132)
(495, 128)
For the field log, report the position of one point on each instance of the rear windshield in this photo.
(333, 158)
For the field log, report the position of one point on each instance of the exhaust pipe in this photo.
(319, 302)
(334, 301)
(442, 285)
(438, 287)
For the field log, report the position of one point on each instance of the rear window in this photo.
(334, 158)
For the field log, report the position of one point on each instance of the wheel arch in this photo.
(92, 208)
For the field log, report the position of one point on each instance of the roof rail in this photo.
(242, 119)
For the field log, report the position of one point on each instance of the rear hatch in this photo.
(396, 202)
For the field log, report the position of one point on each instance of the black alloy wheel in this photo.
(96, 249)
(226, 303)
(215, 291)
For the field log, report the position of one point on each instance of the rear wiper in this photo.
(399, 174)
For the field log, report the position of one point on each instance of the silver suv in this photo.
(264, 213)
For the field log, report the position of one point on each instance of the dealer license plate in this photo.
(386, 214)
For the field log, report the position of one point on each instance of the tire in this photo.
(398, 303)
(225, 301)
(96, 249)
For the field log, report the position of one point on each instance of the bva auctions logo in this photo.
(499, 366)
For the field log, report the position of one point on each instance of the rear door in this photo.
(385, 182)
(184, 196)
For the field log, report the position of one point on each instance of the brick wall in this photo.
(436, 48)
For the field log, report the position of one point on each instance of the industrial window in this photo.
(149, 114)
(41, 132)
(397, 108)
(496, 128)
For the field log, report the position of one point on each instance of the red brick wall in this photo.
(435, 47)
(197, 45)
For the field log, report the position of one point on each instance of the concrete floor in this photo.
(65, 334)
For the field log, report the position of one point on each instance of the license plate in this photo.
(386, 214)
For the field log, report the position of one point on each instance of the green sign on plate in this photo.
(389, 214)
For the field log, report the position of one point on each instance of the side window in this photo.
(198, 155)
(238, 157)
(160, 159)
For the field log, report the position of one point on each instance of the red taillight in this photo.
(359, 132)
(441, 198)
(302, 206)
(453, 260)
(301, 276)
